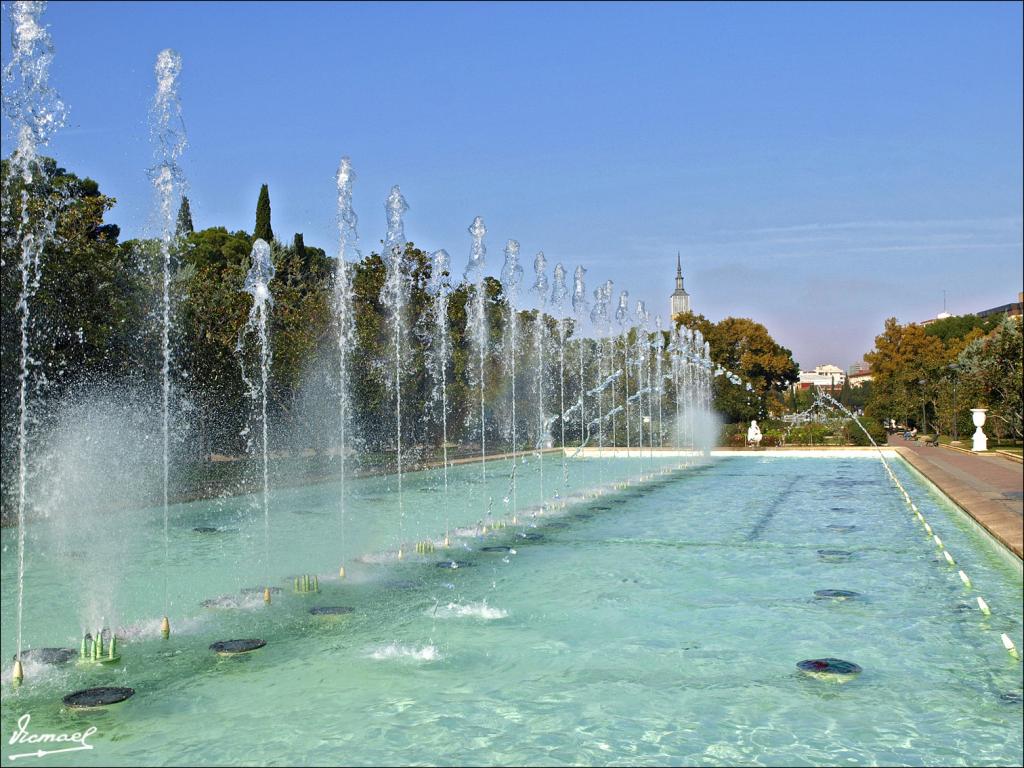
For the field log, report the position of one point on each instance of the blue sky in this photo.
(820, 167)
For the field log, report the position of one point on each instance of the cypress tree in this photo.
(184, 227)
(300, 248)
(263, 230)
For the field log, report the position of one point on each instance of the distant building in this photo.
(1013, 309)
(857, 368)
(680, 299)
(860, 379)
(826, 376)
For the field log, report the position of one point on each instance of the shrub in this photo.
(872, 425)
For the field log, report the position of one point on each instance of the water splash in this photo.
(35, 112)
(257, 285)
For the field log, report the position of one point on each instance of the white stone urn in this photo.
(980, 440)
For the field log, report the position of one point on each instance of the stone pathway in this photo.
(989, 488)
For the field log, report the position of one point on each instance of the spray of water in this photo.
(600, 320)
(622, 318)
(659, 355)
(476, 321)
(344, 323)
(167, 132)
(257, 285)
(439, 358)
(35, 111)
(395, 297)
(579, 308)
(540, 287)
(559, 293)
(511, 278)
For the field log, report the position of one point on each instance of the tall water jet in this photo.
(511, 277)
(344, 328)
(540, 287)
(35, 111)
(440, 358)
(579, 308)
(643, 370)
(395, 296)
(167, 132)
(559, 292)
(257, 285)
(622, 318)
(659, 354)
(601, 322)
(476, 323)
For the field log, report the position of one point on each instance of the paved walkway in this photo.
(989, 488)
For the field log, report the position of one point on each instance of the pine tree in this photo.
(263, 230)
(184, 227)
(300, 248)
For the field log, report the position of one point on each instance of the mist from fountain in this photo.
(344, 329)
(257, 325)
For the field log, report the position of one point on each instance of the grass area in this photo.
(993, 444)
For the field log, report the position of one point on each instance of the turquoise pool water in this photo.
(656, 624)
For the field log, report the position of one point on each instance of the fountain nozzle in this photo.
(18, 673)
(266, 595)
(341, 572)
(165, 628)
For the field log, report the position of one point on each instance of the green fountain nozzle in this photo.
(83, 653)
(112, 648)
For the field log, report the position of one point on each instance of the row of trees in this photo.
(95, 325)
(930, 376)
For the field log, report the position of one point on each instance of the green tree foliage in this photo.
(184, 226)
(945, 369)
(263, 230)
(903, 358)
(747, 349)
(962, 326)
(990, 371)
